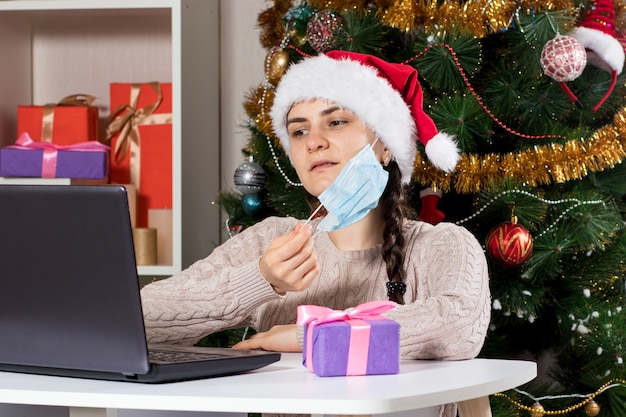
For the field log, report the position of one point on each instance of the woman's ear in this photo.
(386, 157)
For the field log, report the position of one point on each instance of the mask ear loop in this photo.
(321, 205)
(313, 214)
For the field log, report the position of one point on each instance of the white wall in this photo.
(242, 61)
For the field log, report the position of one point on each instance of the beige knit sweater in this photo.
(447, 308)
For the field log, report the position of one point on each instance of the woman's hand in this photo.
(280, 338)
(289, 263)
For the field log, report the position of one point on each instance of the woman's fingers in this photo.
(290, 260)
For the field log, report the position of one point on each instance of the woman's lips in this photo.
(320, 165)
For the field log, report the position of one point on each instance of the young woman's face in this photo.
(323, 138)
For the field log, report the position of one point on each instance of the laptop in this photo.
(69, 293)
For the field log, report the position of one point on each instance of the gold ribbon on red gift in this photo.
(47, 122)
(126, 119)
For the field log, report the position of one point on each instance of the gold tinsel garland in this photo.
(539, 165)
(480, 17)
(271, 22)
(402, 15)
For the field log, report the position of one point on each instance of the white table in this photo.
(283, 387)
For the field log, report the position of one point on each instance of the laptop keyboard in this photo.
(177, 357)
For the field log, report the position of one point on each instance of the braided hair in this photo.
(394, 210)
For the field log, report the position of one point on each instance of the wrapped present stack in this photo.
(140, 135)
(57, 141)
(61, 140)
(353, 342)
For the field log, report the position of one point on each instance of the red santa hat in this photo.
(597, 33)
(386, 97)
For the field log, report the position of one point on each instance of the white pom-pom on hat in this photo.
(387, 97)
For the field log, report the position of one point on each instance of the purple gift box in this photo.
(331, 348)
(357, 341)
(69, 163)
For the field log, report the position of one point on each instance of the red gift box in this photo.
(140, 131)
(352, 342)
(71, 120)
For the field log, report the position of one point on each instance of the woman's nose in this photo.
(316, 140)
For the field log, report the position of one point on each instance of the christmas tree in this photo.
(534, 93)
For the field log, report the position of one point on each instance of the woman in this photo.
(331, 112)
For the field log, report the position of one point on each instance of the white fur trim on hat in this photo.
(357, 88)
(603, 50)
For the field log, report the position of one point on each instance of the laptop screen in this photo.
(69, 293)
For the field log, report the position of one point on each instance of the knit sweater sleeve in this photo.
(218, 292)
(447, 310)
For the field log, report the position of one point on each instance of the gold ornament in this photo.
(258, 105)
(297, 37)
(276, 64)
(537, 410)
(592, 408)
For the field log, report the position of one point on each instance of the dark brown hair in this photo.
(394, 209)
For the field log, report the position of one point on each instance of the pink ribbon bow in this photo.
(51, 150)
(313, 315)
(318, 314)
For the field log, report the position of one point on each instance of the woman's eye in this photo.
(298, 133)
(335, 123)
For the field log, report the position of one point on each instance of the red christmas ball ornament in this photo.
(509, 244)
(323, 29)
(563, 58)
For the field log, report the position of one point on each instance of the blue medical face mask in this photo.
(355, 191)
